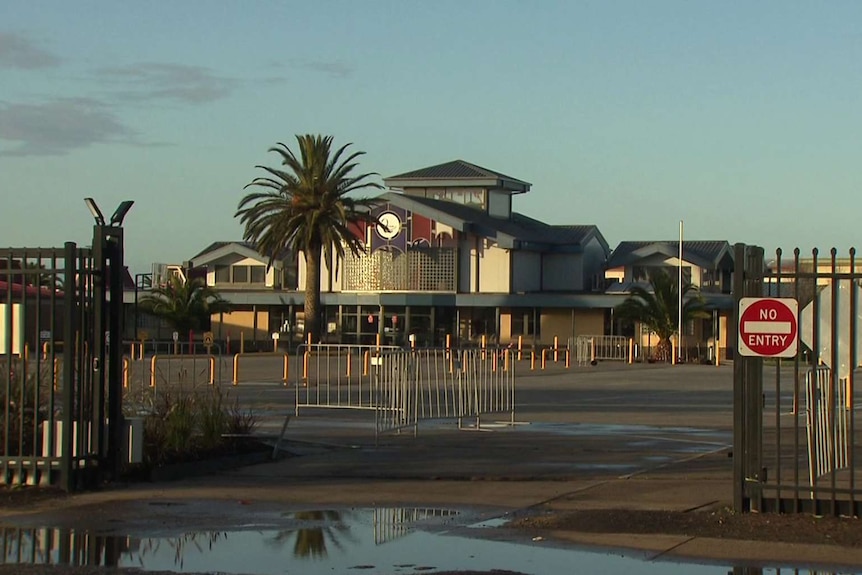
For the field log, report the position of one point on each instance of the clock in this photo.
(388, 225)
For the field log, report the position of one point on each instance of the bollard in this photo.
(556, 349)
(672, 352)
(631, 350)
(365, 361)
(520, 346)
(153, 371)
(236, 369)
(506, 360)
(532, 360)
(349, 363)
(592, 351)
(544, 354)
(126, 371)
(483, 348)
(305, 366)
(568, 359)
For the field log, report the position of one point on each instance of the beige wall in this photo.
(241, 324)
(559, 322)
(494, 270)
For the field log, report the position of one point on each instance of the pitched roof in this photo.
(703, 253)
(519, 232)
(457, 173)
(218, 245)
(218, 250)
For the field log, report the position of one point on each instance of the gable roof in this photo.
(706, 254)
(218, 250)
(457, 173)
(519, 232)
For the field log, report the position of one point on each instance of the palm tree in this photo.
(658, 308)
(186, 304)
(306, 208)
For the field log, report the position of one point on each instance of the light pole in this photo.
(107, 425)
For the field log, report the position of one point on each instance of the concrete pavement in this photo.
(650, 438)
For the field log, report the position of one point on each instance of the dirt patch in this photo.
(722, 524)
(17, 497)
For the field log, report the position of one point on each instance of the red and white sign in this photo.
(768, 327)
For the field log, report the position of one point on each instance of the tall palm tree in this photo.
(658, 308)
(306, 208)
(186, 304)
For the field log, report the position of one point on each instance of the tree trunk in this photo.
(312, 295)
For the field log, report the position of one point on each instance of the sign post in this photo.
(768, 327)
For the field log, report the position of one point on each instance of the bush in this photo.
(192, 426)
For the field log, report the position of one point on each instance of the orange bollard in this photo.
(520, 347)
(532, 360)
(544, 353)
(505, 360)
(349, 363)
(556, 349)
(483, 348)
(365, 361)
(568, 359)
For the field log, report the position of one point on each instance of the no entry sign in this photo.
(768, 327)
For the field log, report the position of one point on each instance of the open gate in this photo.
(796, 440)
(61, 363)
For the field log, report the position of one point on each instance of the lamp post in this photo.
(107, 425)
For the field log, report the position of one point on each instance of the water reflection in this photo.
(315, 542)
(311, 535)
(310, 542)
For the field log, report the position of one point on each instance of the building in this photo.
(708, 265)
(450, 260)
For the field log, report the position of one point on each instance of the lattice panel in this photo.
(432, 269)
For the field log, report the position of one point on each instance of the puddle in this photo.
(398, 540)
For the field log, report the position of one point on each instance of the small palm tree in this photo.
(306, 208)
(186, 304)
(658, 308)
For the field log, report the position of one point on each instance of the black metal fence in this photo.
(60, 368)
(796, 439)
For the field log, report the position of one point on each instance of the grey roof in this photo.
(709, 253)
(456, 173)
(218, 245)
(519, 232)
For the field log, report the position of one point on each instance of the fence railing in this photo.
(406, 386)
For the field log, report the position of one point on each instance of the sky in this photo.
(741, 119)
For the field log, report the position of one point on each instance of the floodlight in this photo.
(94, 209)
(120, 212)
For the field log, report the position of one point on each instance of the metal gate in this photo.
(61, 363)
(796, 442)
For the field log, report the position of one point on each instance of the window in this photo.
(222, 274)
(258, 274)
(240, 274)
(642, 273)
(522, 322)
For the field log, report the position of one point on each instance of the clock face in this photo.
(389, 225)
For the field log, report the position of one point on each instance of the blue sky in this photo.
(742, 119)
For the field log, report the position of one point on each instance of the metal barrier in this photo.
(590, 348)
(826, 423)
(420, 385)
(406, 386)
(336, 376)
(183, 373)
(285, 366)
